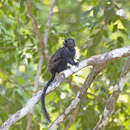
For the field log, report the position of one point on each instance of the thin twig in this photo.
(42, 53)
(37, 31)
(35, 26)
(48, 26)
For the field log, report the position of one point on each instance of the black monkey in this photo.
(57, 63)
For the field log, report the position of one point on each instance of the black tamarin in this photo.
(57, 63)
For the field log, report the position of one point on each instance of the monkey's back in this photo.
(58, 62)
(55, 60)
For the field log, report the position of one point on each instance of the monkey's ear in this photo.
(65, 42)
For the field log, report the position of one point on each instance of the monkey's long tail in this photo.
(43, 103)
(43, 97)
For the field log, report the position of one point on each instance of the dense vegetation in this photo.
(97, 27)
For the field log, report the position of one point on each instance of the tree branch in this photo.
(21, 113)
(75, 102)
(35, 26)
(73, 118)
(111, 102)
(42, 52)
(99, 60)
(48, 26)
(39, 68)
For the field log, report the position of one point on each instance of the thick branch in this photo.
(99, 60)
(111, 102)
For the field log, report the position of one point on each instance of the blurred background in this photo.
(97, 27)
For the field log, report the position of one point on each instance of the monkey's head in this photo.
(69, 43)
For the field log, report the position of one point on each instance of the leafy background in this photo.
(97, 27)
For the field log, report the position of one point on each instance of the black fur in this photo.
(58, 63)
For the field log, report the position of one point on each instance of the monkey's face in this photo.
(69, 43)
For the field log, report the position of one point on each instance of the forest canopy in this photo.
(32, 30)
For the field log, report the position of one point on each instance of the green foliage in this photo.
(97, 26)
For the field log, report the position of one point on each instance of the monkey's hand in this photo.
(68, 67)
(76, 64)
